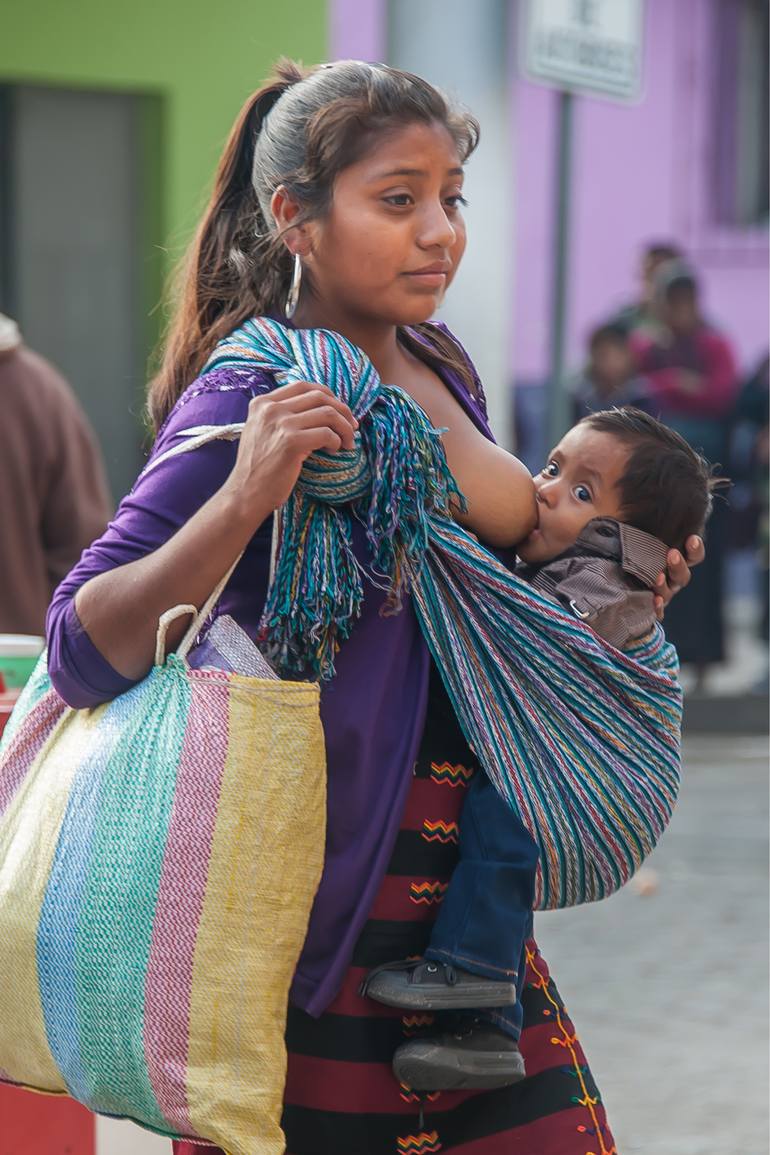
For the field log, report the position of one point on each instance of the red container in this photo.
(44, 1125)
(40, 1124)
(7, 702)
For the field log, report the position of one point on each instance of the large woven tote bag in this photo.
(159, 856)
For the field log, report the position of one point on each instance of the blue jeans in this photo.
(486, 916)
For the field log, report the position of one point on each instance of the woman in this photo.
(339, 194)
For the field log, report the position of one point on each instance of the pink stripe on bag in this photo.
(27, 743)
(180, 896)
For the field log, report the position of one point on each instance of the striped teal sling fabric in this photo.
(582, 740)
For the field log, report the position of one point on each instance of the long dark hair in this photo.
(300, 130)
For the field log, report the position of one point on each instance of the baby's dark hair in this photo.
(667, 487)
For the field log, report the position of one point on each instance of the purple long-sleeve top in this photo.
(373, 712)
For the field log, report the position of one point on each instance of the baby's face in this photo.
(578, 483)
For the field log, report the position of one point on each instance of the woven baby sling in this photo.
(580, 739)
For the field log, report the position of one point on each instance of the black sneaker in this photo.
(423, 985)
(477, 1057)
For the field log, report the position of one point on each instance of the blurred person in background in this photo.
(610, 376)
(54, 498)
(752, 416)
(691, 370)
(641, 316)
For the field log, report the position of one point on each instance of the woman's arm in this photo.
(120, 608)
(204, 531)
(498, 488)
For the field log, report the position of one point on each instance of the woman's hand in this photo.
(677, 573)
(282, 429)
(119, 609)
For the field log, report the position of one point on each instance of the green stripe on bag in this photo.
(127, 853)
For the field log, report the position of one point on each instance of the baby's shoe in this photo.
(477, 1056)
(424, 985)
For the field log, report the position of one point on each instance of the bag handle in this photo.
(164, 621)
(196, 436)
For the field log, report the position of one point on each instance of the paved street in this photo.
(669, 990)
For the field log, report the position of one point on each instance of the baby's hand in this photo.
(677, 573)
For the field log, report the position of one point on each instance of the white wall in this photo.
(115, 1137)
(463, 48)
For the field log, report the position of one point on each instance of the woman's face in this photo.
(394, 235)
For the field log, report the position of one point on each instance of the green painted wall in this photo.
(201, 57)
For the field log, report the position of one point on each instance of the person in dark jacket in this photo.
(752, 413)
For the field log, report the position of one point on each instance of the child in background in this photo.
(610, 376)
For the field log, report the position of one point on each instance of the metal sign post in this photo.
(557, 399)
(576, 46)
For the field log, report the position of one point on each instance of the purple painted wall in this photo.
(640, 172)
(357, 30)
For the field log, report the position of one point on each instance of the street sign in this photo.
(592, 46)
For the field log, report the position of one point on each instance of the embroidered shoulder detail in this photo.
(252, 382)
(229, 380)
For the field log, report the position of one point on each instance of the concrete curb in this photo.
(726, 714)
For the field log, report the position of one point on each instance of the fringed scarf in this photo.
(580, 739)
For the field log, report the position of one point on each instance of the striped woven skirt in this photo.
(341, 1095)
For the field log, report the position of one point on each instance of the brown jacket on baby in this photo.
(605, 579)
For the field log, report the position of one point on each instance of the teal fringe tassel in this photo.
(317, 588)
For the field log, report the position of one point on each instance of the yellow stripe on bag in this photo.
(26, 854)
(266, 857)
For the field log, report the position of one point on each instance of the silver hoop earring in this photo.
(292, 300)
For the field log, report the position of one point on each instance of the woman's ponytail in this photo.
(234, 269)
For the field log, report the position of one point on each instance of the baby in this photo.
(618, 491)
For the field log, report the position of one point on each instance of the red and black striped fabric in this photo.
(341, 1095)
